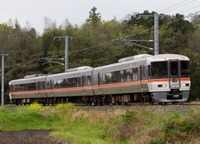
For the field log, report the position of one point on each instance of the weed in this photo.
(35, 106)
(64, 106)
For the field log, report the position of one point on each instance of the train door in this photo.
(143, 77)
(84, 83)
(100, 82)
(174, 74)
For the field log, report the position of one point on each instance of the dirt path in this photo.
(28, 137)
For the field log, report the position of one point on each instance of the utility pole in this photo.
(156, 31)
(2, 77)
(66, 48)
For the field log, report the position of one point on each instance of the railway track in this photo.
(130, 106)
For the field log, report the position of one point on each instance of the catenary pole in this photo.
(156, 34)
(66, 52)
(2, 77)
(66, 48)
(156, 31)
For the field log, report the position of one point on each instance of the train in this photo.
(143, 78)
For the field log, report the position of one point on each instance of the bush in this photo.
(35, 106)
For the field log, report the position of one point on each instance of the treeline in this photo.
(98, 42)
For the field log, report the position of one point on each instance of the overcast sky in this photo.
(77, 11)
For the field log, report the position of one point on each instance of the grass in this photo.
(117, 126)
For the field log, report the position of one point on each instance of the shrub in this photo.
(64, 106)
(35, 106)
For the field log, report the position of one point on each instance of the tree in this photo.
(94, 17)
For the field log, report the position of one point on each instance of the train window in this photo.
(74, 82)
(185, 72)
(123, 77)
(135, 74)
(174, 68)
(55, 84)
(48, 84)
(129, 75)
(41, 85)
(159, 69)
(116, 77)
(107, 78)
(32, 86)
(60, 83)
(64, 83)
(89, 80)
(144, 72)
(51, 84)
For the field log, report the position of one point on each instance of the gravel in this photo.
(28, 137)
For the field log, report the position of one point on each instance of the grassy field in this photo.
(118, 126)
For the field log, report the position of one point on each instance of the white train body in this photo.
(160, 78)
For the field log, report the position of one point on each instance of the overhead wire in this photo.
(172, 6)
(178, 6)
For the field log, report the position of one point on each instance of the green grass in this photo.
(77, 126)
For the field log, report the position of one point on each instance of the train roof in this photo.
(135, 61)
(73, 72)
(168, 57)
(30, 79)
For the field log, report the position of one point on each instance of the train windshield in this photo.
(185, 72)
(159, 70)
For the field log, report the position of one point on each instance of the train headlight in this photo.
(162, 85)
(186, 84)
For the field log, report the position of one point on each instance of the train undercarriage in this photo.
(90, 100)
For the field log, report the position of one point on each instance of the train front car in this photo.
(169, 78)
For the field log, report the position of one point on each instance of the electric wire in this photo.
(178, 6)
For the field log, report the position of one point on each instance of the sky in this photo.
(33, 12)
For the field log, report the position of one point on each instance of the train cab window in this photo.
(159, 69)
(174, 68)
(185, 72)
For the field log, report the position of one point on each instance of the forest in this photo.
(97, 42)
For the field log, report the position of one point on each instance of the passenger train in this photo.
(162, 78)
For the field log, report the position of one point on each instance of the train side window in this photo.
(129, 75)
(55, 84)
(60, 83)
(84, 81)
(48, 84)
(144, 72)
(51, 84)
(116, 76)
(107, 78)
(123, 77)
(41, 85)
(64, 83)
(74, 82)
(135, 74)
(78, 81)
(89, 80)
